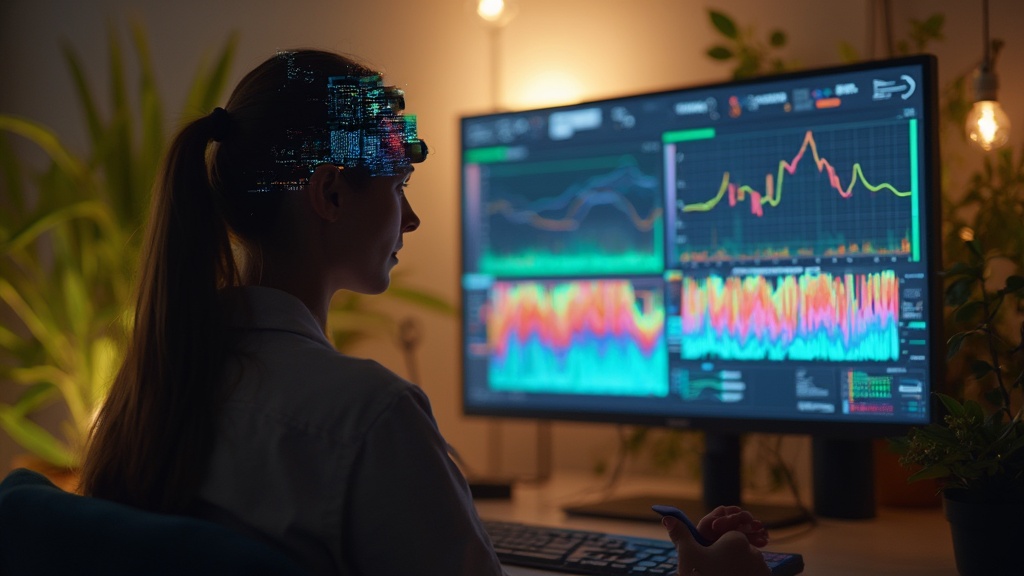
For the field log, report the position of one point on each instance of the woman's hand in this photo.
(732, 518)
(730, 555)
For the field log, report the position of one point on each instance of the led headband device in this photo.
(365, 130)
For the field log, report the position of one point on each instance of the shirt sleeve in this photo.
(411, 510)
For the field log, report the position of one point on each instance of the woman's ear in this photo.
(324, 191)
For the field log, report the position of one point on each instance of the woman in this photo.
(231, 403)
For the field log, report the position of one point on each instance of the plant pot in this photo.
(986, 534)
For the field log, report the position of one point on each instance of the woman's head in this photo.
(295, 114)
(311, 151)
(297, 110)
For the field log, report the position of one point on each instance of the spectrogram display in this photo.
(813, 192)
(849, 317)
(581, 337)
(576, 216)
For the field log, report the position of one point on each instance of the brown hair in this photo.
(151, 440)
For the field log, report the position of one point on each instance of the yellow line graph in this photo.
(773, 194)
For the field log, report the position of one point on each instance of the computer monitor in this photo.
(750, 256)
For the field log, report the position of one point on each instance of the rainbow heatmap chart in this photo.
(580, 337)
(849, 317)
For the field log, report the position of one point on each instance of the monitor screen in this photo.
(756, 255)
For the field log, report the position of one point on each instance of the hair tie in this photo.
(219, 124)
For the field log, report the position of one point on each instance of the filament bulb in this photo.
(987, 125)
(490, 10)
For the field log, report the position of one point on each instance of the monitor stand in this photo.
(721, 486)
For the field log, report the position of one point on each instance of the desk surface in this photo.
(903, 542)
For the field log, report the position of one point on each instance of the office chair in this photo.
(45, 530)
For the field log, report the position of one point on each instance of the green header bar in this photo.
(687, 135)
(487, 155)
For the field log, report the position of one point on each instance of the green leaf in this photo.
(777, 39)
(35, 397)
(973, 411)
(76, 301)
(848, 53)
(748, 67)
(35, 438)
(719, 53)
(934, 24)
(85, 99)
(8, 339)
(981, 368)
(208, 85)
(38, 322)
(46, 139)
(91, 209)
(952, 405)
(723, 24)
(104, 358)
(929, 473)
(63, 381)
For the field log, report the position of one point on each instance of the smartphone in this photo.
(679, 515)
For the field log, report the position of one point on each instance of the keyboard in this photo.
(574, 551)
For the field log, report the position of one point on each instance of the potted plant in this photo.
(976, 450)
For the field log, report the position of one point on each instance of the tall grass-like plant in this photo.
(69, 240)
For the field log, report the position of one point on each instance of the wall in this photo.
(439, 52)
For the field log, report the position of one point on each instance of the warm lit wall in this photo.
(439, 52)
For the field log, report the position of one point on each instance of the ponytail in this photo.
(152, 436)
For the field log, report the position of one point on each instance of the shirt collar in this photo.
(262, 308)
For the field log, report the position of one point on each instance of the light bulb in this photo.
(987, 125)
(490, 10)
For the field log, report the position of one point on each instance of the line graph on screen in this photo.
(600, 215)
(825, 191)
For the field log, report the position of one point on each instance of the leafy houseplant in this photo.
(977, 450)
(69, 238)
(752, 57)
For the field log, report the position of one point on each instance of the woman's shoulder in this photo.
(318, 383)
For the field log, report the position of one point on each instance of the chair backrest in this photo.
(45, 530)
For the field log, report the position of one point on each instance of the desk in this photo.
(897, 542)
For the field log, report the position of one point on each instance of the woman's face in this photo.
(375, 218)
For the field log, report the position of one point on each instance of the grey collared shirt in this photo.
(336, 459)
